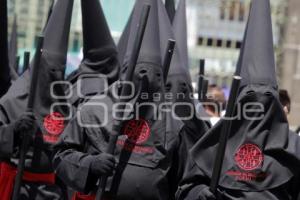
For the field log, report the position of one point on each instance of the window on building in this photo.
(241, 11)
(209, 42)
(238, 44)
(76, 43)
(232, 10)
(223, 10)
(200, 41)
(219, 43)
(24, 11)
(228, 43)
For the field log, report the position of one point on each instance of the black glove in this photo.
(25, 124)
(103, 164)
(206, 194)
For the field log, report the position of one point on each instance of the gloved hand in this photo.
(103, 164)
(25, 124)
(206, 194)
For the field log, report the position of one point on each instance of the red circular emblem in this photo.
(138, 131)
(249, 157)
(54, 123)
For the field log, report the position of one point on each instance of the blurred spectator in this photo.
(215, 103)
(298, 130)
(285, 101)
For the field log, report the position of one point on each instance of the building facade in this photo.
(32, 15)
(289, 65)
(216, 29)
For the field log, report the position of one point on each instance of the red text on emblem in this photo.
(249, 157)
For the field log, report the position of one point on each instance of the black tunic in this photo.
(39, 155)
(150, 164)
(38, 161)
(261, 159)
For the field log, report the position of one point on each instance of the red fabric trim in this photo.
(7, 179)
(80, 196)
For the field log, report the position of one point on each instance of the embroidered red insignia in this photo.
(249, 157)
(54, 123)
(138, 131)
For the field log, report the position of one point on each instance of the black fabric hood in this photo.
(260, 141)
(52, 68)
(150, 49)
(257, 150)
(179, 82)
(100, 59)
(146, 148)
(257, 62)
(148, 77)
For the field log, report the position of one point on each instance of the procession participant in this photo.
(99, 67)
(151, 149)
(262, 156)
(179, 83)
(39, 180)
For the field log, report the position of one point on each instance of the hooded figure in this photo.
(99, 67)
(179, 84)
(39, 179)
(180, 34)
(262, 157)
(4, 64)
(151, 149)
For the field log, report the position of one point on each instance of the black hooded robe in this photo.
(150, 152)
(261, 159)
(38, 163)
(39, 180)
(269, 169)
(153, 169)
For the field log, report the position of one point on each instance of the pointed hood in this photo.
(13, 49)
(123, 41)
(257, 62)
(259, 141)
(147, 79)
(177, 68)
(52, 68)
(100, 60)
(170, 7)
(150, 49)
(97, 39)
(57, 30)
(4, 64)
(50, 11)
(180, 32)
(179, 80)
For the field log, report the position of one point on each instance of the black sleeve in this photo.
(6, 137)
(180, 159)
(192, 182)
(6, 140)
(71, 163)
